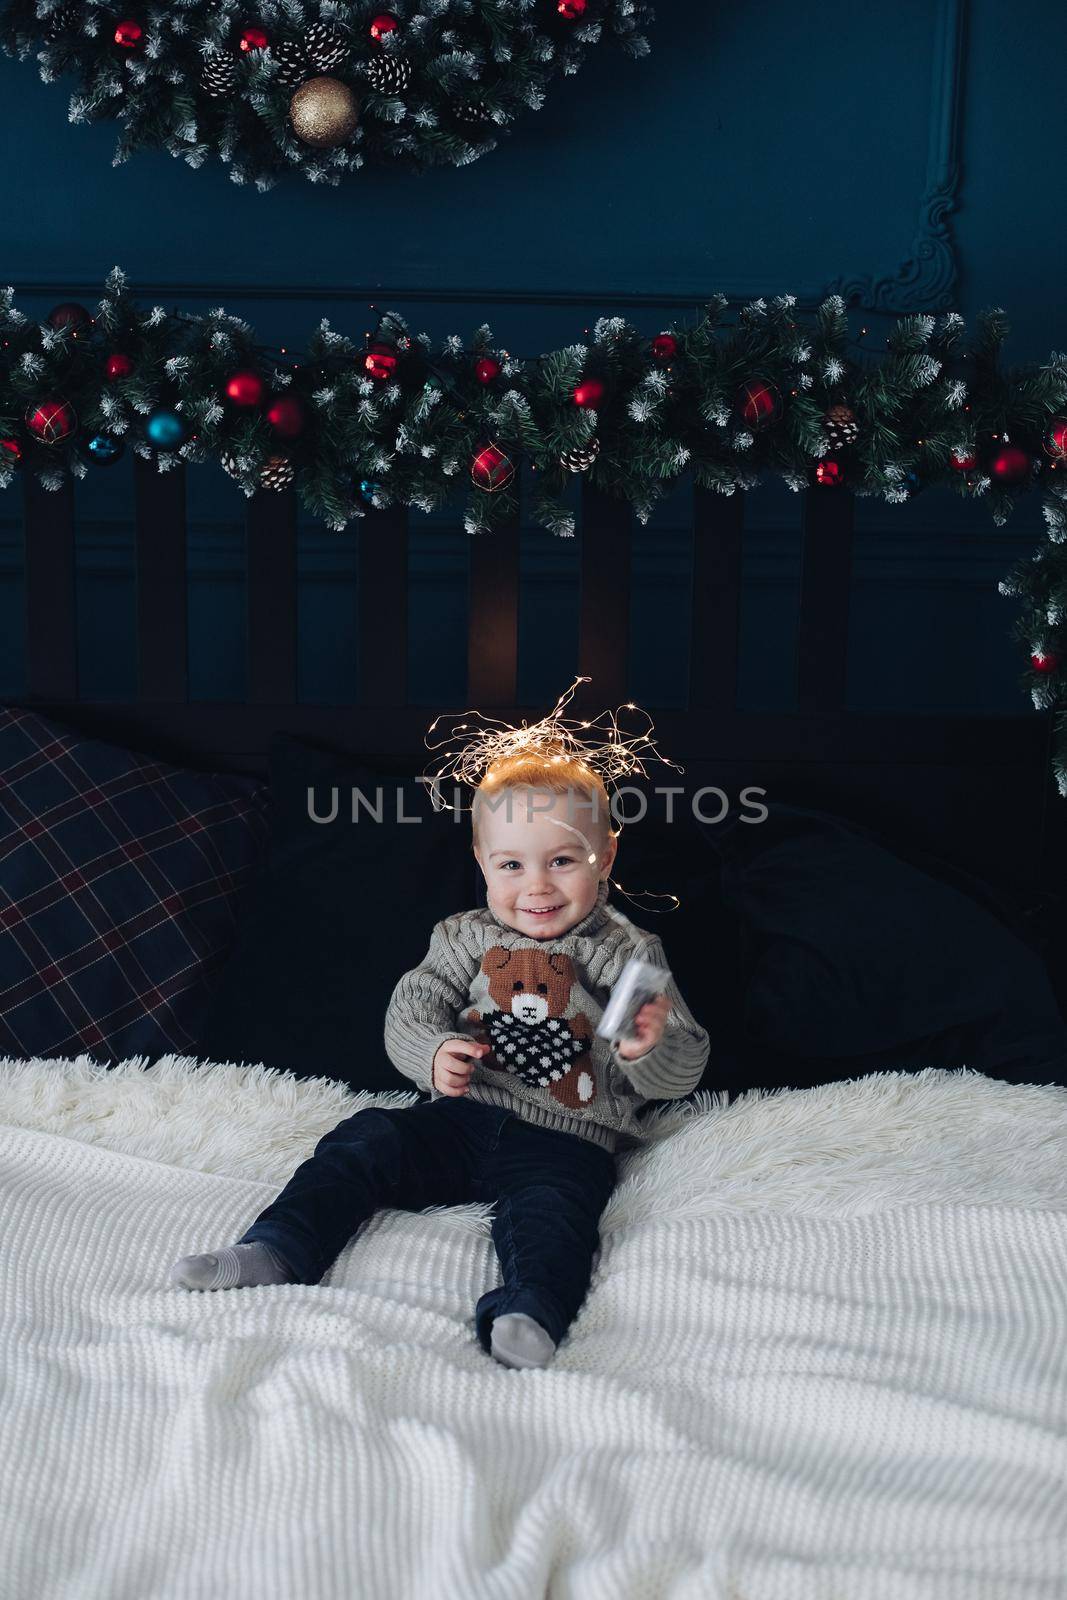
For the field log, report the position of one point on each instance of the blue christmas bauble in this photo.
(165, 429)
(104, 449)
(912, 482)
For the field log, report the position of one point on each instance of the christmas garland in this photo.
(388, 420)
(277, 85)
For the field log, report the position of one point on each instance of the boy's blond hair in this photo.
(556, 769)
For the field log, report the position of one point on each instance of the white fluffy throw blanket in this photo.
(824, 1355)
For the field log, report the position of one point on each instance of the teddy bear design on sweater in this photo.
(528, 1034)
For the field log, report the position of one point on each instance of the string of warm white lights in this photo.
(482, 744)
(555, 736)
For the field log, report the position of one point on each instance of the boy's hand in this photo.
(648, 1027)
(454, 1063)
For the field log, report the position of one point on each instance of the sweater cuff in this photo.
(434, 1045)
(670, 1070)
(413, 1051)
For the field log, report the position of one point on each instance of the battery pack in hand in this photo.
(638, 983)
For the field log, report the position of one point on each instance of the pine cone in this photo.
(219, 76)
(473, 112)
(840, 427)
(292, 64)
(389, 74)
(278, 473)
(581, 458)
(62, 21)
(326, 47)
(228, 463)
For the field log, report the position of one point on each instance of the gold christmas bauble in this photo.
(324, 112)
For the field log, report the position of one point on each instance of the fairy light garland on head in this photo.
(555, 739)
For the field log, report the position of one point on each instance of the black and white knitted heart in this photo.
(537, 1052)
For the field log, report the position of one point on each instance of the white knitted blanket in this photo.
(823, 1358)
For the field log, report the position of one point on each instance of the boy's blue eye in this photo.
(567, 861)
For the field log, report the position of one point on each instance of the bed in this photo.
(823, 1348)
(822, 1354)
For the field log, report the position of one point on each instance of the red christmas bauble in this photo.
(1056, 439)
(664, 347)
(572, 10)
(382, 25)
(287, 416)
(129, 34)
(12, 450)
(829, 474)
(1044, 661)
(380, 360)
(758, 402)
(51, 420)
(963, 460)
(1009, 465)
(117, 366)
(589, 393)
(69, 315)
(487, 370)
(252, 38)
(491, 470)
(245, 388)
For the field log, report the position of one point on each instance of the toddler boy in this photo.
(527, 1107)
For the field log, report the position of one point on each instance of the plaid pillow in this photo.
(119, 878)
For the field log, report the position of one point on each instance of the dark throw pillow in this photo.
(341, 911)
(119, 878)
(850, 952)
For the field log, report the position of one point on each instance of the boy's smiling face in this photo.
(538, 876)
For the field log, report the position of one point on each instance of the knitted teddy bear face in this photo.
(531, 984)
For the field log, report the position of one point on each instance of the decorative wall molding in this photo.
(387, 296)
(928, 278)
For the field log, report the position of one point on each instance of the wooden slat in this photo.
(383, 607)
(162, 606)
(604, 617)
(825, 582)
(493, 616)
(51, 616)
(271, 597)
(718, 536)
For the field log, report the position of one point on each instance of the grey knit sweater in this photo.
(536, 1003)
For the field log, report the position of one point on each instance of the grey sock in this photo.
(518, 1341)
(236, 1266)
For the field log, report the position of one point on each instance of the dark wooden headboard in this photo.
(974, 789)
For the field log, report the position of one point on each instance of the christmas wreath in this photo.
(278, 85)
(388, 420)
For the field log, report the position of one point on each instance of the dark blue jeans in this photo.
(549, 1190)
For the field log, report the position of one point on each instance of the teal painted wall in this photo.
(908, 152)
